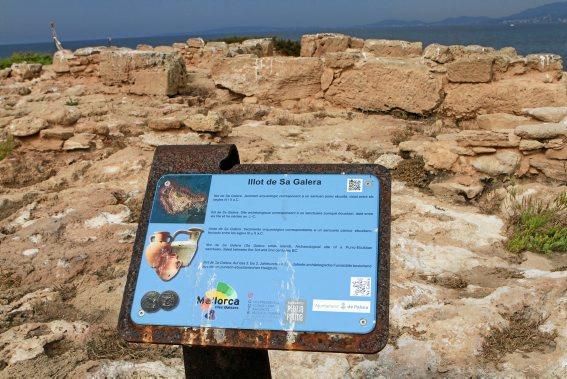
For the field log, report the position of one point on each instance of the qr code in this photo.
(360, 286)
(354, 185)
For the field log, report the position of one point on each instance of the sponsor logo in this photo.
(223, 296)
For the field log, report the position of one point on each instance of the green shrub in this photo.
(29, 57)
(6, 147)
(72, 102)
(538, 226)
(288, 47)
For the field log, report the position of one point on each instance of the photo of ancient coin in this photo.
(150, 302)
(168, 300)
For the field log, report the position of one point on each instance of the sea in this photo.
(527, 39)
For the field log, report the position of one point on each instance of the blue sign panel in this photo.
(261, 252)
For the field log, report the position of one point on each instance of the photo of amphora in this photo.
(167, 255)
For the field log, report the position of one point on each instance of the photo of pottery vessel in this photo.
(167, 256)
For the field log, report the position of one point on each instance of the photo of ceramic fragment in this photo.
(166, 255)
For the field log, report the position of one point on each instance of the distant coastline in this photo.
(526, 38)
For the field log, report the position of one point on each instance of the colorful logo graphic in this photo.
(223, 297)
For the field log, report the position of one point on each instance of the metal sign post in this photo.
(232, 260)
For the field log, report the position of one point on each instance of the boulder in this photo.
(195, 43)
(390, 161)
(499, 121)
(392, 48)
(92, 128)
(63, 115)
(5, 73)
(560, 154)
(327, 78)
(58, 133)
(503, 96)
(160, 139)
(342, 60)
(530, 144)
(552, 168)
(213, 122)
(164, 123)
(61, 59)
(438, 53)
(458, 189)
(26, 126)
(261, 47)
(273, 79)
(470, 70)
(82, 141)
(316, 45)
(541, 131)
(26, 71)
(384, 84)
(483, 138)
(504, 162)
(144, 72)
(547, 114)
(544, 62)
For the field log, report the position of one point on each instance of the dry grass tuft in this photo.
(521, 335)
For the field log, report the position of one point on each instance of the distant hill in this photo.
(546, 14)
(554, 13)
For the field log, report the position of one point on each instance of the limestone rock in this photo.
(195, 43)
(483, 138)
(541, 131)
(560, 154)
(21, 343)
(63, 116)
(458, 189)
(384, 84)
(392, 48)
(270, 79)
(81, 141)
(316, 45)
(547, 114)
(26, 71)
(145, 72)
(544, 62)
(470, 70)
(61, 61)
(327, 78)
(530, 144)
(552, 168)
(342, 60)
(498, 121)
(164, 123)
(439, 158)
(390, 161)
(26, 126)
(438, 53)
(160, 139)
(15, 89)
(57, 133)
(261, 47)
(92, 128)
(213, 122)
(504, 162)
(502, 96)
(5, 73)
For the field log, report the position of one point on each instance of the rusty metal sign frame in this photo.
(224, 159)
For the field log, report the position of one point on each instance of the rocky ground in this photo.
(70, 198)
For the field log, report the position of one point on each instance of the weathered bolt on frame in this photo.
(231, 260)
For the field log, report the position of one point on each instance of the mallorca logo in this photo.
(221, 297)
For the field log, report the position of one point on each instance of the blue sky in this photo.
(23, 21)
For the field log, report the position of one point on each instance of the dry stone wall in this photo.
(510, 111)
